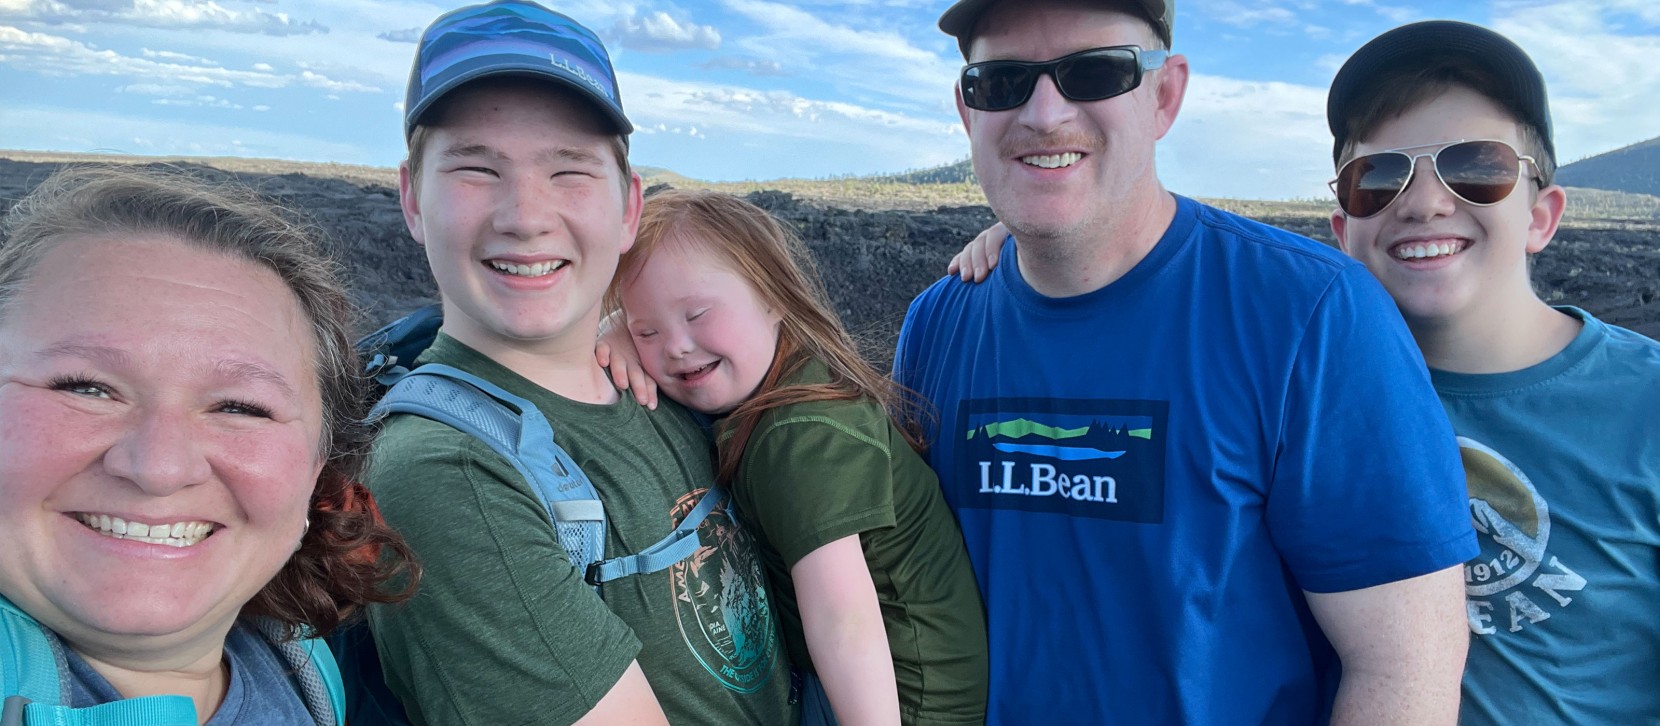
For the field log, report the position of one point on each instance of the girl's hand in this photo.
(845, 635)
(979, 258)
(615, 352)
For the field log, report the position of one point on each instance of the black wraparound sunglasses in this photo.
(1091, 75)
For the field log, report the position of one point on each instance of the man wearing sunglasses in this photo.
(1197, 461)
(1445, 158)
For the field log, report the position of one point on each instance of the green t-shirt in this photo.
(814, 473)
(505, 631)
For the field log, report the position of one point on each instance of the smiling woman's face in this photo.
(160, 423)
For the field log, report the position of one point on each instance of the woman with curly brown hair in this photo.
(181, 432)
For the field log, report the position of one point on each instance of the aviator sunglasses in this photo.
(1482, 172)
(1091, 75)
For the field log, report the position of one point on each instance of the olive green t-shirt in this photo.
(816, 472)
(503, 629)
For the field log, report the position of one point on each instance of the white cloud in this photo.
(58, 56)
(875, 64)
(197, 101)
(1269, 138)
(748, 65)
(318, 80)
(168, 55)
(660, 32)
(62, 129)
(157, 89)
(1244, 16)
(1599, 67)
(405, 35)
(171, 14)
(889, 140)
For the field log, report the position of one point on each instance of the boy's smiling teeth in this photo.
(176, 534)
(1052, 161)
(1428, 250)
(532, 270)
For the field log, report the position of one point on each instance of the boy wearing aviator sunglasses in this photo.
(1187, 451)
(1445, 158)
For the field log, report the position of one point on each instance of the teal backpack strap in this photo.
(322, 659)
(34, 693)
(314, 669)
(28, 663)
(144, 711)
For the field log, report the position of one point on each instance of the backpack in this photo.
(514, 428)
(34, 682)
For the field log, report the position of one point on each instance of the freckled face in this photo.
(160, 425)
(702, 332)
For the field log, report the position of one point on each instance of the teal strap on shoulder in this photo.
(678, 545)
(27, 665)
(329, 671)
(145, 711)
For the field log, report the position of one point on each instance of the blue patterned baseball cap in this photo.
(510, 38)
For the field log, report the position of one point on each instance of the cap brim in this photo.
(542, 72)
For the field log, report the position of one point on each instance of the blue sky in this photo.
(756, 89)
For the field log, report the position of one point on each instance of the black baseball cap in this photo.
(1434, 42)
(511, 38)
(959, 19)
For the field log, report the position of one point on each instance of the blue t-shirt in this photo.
(259, 692)
(1148, 476)
(1563, 461)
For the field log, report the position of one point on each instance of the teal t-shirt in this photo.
(1563, 464)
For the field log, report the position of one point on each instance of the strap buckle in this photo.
(592, 574)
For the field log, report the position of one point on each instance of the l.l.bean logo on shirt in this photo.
(1102, 459)
(1512, 523)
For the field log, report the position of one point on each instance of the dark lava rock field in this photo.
(874, 262)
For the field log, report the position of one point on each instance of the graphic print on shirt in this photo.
(1514, 582)
(1102, 459)
(720, 599)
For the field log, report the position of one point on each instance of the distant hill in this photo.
(1634, 169)
(658, 175)
(961, 172)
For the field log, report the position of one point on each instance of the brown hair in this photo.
(774, 262)
(1396, 92)
(339, 566)
(418, 135)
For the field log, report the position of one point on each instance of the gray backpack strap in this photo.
(514, 428)
(680, 543)
(314, 670)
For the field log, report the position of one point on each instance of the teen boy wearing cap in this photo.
(518, 187)
(1196, 459)
(1443, 144)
